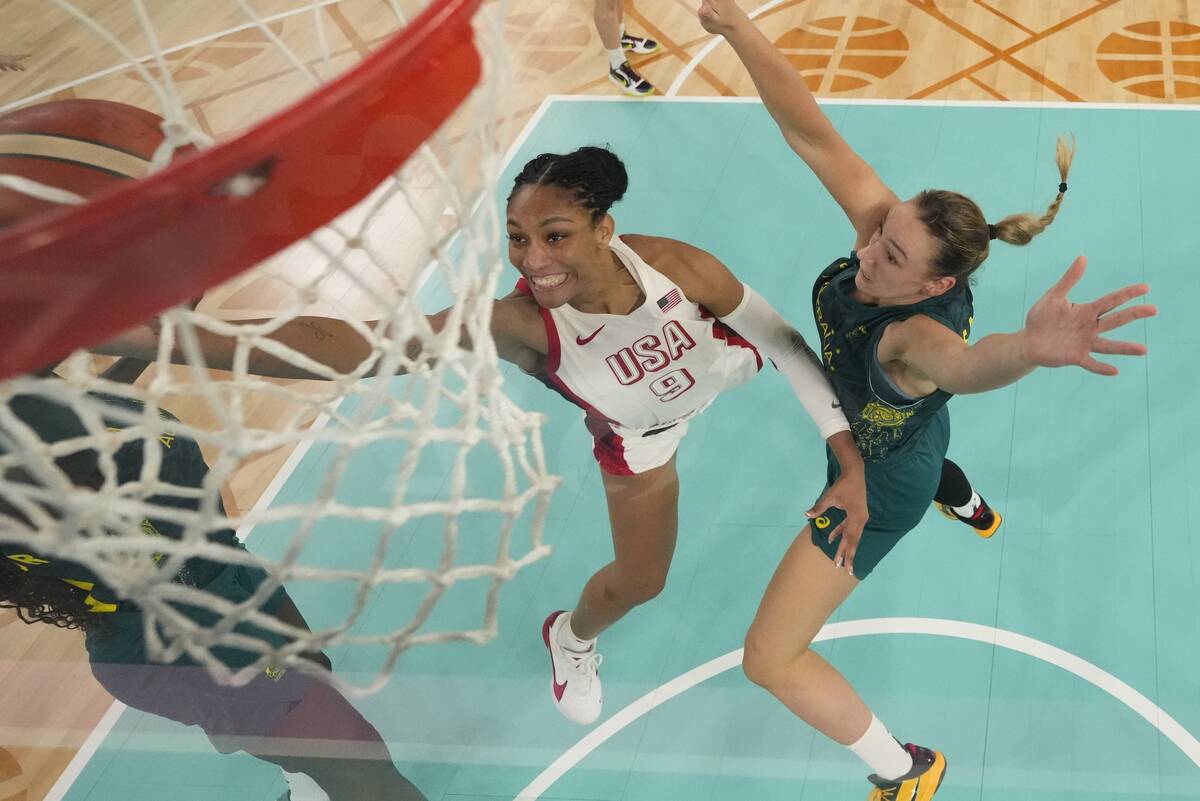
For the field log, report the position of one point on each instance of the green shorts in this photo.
(237, 583)
(900, 490)
(122, 640)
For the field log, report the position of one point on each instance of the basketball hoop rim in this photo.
(126, 232)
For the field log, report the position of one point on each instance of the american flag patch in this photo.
(670, 300)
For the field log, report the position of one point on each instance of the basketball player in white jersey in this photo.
(640, 332)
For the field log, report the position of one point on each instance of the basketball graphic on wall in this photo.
(1154, 59)
(840, 54)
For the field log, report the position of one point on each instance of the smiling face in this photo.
(555, 245)
(896, 265)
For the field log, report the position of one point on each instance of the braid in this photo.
(594, 175)
(1019, 229)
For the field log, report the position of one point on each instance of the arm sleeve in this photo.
(758, 322)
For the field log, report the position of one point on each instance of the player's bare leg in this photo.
(644, 515)
(804, 592)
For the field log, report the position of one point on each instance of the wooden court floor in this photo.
(1077, 51)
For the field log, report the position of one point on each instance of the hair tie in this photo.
(991, 231)
(1062, 187)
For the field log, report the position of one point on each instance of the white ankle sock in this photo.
(615, 58)
(567, 638)
(879, 749)
(301, 787)
(971, 506)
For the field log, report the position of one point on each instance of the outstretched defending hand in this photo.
(720, 16)
(1059, 333)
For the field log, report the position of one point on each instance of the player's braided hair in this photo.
(44, 598)
(594, 174)
(41, 597)
(963, 233)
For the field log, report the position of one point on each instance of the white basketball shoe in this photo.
(574, 676)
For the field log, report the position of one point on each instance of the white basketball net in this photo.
(401, 528)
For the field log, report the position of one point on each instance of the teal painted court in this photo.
(1095, 572)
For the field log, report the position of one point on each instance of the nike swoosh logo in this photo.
(584, 340)
(558, 688)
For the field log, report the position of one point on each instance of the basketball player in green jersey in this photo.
(894, 320)
(326, 748)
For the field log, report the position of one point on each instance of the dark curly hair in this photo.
(36, 597)
(594, 174)
(45, 599)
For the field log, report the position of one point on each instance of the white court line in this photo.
(105, 726)
(956, 629)
(868, 101)
(86, 751)
(530, 124)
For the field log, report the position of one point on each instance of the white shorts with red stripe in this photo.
(626, 452)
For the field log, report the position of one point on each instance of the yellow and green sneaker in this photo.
(919, 784)
(985, 521)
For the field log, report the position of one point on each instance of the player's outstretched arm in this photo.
(325, 344)
(328, 342)
(705, 280)
(849, 179)
(1057, 333)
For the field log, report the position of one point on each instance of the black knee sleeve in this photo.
(953, 488)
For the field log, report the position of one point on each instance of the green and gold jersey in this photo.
(885, 421)
(182, 465)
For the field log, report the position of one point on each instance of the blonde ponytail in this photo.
(1018, 229)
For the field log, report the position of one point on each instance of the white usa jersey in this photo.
(660, 364)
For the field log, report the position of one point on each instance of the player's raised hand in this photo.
(1059, 333)
(720, 16)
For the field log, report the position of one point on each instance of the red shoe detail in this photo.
(559, 689)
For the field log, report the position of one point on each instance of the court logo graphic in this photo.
(841, 54)
(1159, 59)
